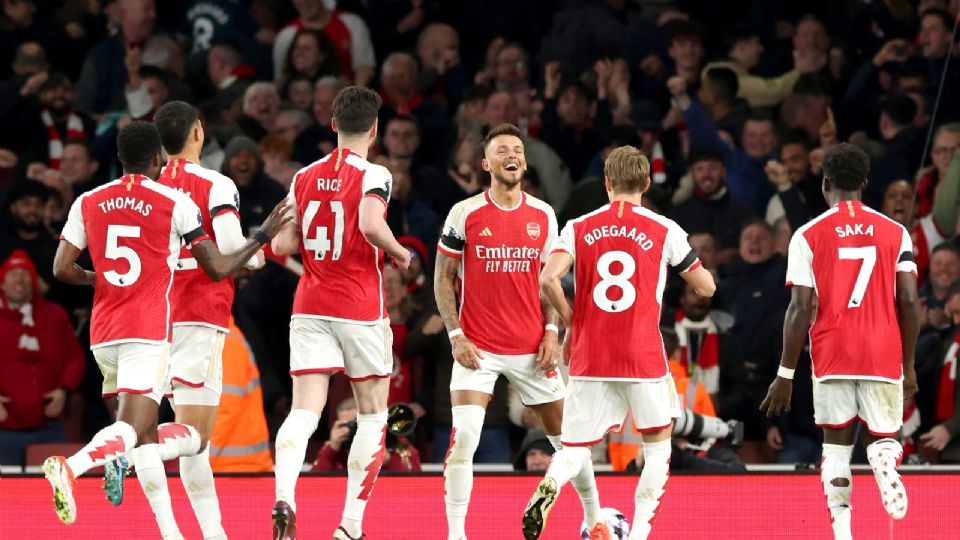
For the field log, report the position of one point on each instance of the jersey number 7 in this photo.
(320, 245)
(869, 257)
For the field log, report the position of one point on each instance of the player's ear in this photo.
(485, 165)
(333, 125)
(606, 183)
(826, 184)
(374, 130)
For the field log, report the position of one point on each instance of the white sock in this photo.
(197, 478)
(650, 488)
(364, 462)
(566, 463)
(458, 466)
(836, 466)
(292, 440)
(585, 483)
(107, 445)
(177, 440)
(153, 480)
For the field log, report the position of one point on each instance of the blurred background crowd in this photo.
(734, 103)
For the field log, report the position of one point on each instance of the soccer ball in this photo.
(616, 522)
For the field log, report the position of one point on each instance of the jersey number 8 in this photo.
(620, 280)
(320, 245)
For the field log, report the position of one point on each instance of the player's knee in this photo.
(464, 441)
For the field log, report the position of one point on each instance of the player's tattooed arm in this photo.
(66, 269)
(796, 325)
(444, 289)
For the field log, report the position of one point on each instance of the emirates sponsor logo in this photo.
(533, 229)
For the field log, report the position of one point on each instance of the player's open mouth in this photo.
(511, 167)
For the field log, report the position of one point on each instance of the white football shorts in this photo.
(535, 386)
(196, 365)
(879, 405)
(134, 368)
(361, 351)
(593, 408)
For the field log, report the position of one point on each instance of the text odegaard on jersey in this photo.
(612, 231)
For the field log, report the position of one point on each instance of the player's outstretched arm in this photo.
(796, 324)
(230, 238)
(701, 280)
(287, 242)
(445, 291)
(219, 266)
(558, 264)
(374, 228)
(66, 269)
(908, 314)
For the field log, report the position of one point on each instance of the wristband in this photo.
(261, 237)
(455, 332)
(550, 327)
(785, 373)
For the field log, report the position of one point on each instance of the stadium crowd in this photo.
(734, 103)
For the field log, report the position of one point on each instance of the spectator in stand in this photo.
(898, 201)
(936, 39)
(415, 277)
(290, 124)
(398, 78)
(718, 97)
(16, 27)
(228, 74)
(586, 31)
(704, 246)
(319, 139)
(903, 152)
(712, 208)
(261, 105)
(941, 223)
(743, 54)
(798, 196)
(552, 171)
(23, 228)
(311, 55)
(17, 93)
(400, 455)
(441, 76)
(240, 441)
(41, 362)
(78, 168)
(941, 443)
(685, 48)
(567, 123)
(258, 192)
(275, 151)
(946, 142)
(944, 274)
(104, 74)
(407, 214)
(512, 75)
(535, 452)
(590, 193)
(46, 129)
(744, 166)
(347, 31)
(297, 93)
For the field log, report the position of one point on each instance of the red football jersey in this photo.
(501, 252)
(133, 228)
(197, 299)
(342, 272)
(621, 253)
(850, 255)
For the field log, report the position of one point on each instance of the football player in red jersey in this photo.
(616, 354)
(201, 314)
(339, 321)
(133, 228)
(853, 275)
(495, 244)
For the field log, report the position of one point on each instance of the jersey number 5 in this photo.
(869, 257)
(320, 245)
(620, 280)
(116, 252)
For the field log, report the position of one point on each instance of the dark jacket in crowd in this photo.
(723, 216)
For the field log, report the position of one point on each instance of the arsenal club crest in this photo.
(533, 229)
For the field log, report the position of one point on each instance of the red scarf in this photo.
(705, 368)
(74, 131)
(658, 168)
(948, 382)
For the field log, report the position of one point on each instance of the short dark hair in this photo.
(724, 81)
(355, 109)
(502, 129)
(137, 144)
(85, 143)
(27, 189)
(846, 166)
(174, 121)
(941, 14)
(796, 136)
(899, 108)
(682, 29)
(408, 118)
(946, 246)
(759, 116)
(704, 153)
(737, 33)
(624, 136)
